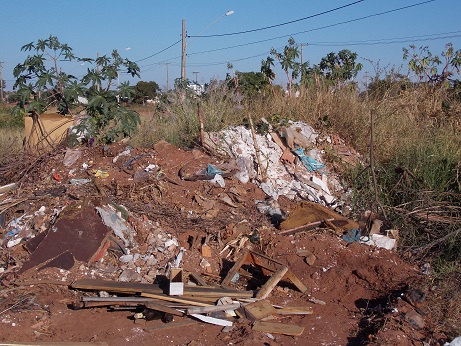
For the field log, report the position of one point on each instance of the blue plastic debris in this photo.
(212, 171)
(351, 236)
(307, 161)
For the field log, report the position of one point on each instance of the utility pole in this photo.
(167, 79)
(1, 82)
(196, 73)
(183, 53)
(302, 51)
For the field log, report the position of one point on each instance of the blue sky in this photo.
(148, 27)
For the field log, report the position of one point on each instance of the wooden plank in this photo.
(235, 268)
(206, 250)
(295, 281)
(116, 286)
(174, 299)
(258, 310)
(207, 309)
(267, 288)
(163, 308)
(134, 288)
(277, 139)
(266, 268)
(219, 293)
(119, 300)
(294, 310)
(99, 304)
(164, 326)
(278, 328)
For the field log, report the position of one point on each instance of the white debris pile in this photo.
(290, 161)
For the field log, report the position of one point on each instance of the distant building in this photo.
(196, 88)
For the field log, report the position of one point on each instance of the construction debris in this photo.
(180, 238)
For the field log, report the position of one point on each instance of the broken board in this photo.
(279, 272)
(258, 310)
(278, 328)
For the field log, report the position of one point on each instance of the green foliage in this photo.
(41, 84)
(249, 83)
(340, 67)
(7, 121)
(391, 85)
(288, 61)
(145, 91)
(266, 69)
(426, 66)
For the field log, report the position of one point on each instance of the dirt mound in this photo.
(131, 215)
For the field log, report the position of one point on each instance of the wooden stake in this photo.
(256, 145)
(372, 160)
(202, 131)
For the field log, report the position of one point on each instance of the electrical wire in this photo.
(269, 27)
(150, 56)
(351, 43)
(327, 44)
(381, 42)
(294, 34)
(310, 30)
(282, 24)
(364, 43)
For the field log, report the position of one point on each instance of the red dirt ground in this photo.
(364, 289)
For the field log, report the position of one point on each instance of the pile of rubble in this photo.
(169, 234)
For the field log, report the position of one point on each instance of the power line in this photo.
(352, 43)
(316, 29)
(286, 23)
(368, 42)
(294, 34)
(269, 27)
(381, 42)
(225, 62)
(150, 56)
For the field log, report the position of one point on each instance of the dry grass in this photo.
(10, 141)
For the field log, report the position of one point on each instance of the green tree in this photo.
(233, 79)
(288, 61)
(41, 84)
(391, 85)
(266, 69)
(145, 91)
(340, 67)
(426, 66)
(249, 83)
